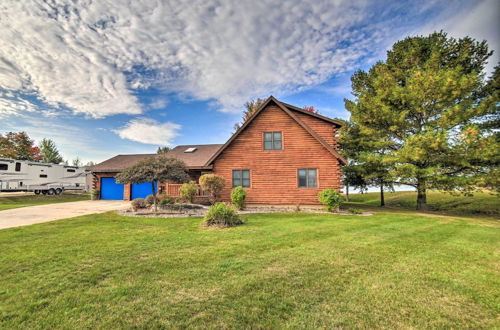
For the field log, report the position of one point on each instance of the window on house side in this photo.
(241, 178)
(272, 141)
(307, 178)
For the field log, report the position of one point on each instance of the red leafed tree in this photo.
(310, 109)
(18, 146)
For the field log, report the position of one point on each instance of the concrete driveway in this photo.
(29, 215)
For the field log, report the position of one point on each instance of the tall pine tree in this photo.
(49, 152)
(420, 111)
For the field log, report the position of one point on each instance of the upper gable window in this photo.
(272, 141)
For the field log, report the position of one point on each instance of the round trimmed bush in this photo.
(330, 198)
(165, 200)
(139, 203)
(213, 184)
(150, 200)
(222, 214)
(188, 191)
(238, 197)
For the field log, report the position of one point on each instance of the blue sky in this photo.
(111, 77)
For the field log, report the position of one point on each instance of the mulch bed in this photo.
(195, 210)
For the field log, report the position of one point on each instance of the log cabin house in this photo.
(281, 155)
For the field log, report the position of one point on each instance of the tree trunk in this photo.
(154, 195)
(421, 197)
(346, 192)
(382, 200)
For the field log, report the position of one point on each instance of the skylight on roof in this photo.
(192, 149)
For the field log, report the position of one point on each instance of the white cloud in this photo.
(149, 131)
(88, 56)
(479, 22)
(91, 56)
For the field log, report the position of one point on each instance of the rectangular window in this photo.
(241, 178)
(18, 167)
(70, 170)
(43, 175)
(4, 167)
(272, 141)
(307, 178)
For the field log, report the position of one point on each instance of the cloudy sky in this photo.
(111, 76)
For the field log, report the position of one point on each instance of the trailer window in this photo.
(4, 167)
(70, 170)
(18, 167)
(43, 175)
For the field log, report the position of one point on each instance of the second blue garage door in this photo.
(142, 190)
(110, 189)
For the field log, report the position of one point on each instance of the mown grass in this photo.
(481, 203)
(12, 202)
(276, 271)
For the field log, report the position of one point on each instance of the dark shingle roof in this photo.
(196, 159)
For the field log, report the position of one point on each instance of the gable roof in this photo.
(284, 107)
(313, 114)
(196, 159)
(193, 160)
(119, 163)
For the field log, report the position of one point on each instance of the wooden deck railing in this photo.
(173, 190)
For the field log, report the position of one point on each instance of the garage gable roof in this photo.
(195, 159)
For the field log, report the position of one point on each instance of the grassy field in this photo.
(481, 203)
(12, 202)
(395, 270)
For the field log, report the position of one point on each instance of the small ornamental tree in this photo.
(188, 191)
(155, 169)
(213, 184)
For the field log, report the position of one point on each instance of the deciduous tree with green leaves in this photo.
(153, 169)
(18, 146)
(423, 107)
(49, 152)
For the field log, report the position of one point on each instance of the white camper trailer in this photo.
(51, 179)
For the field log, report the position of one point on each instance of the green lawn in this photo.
(481, 203)
(395, 270)
(13, 202)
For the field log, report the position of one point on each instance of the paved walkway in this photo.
(29, 215)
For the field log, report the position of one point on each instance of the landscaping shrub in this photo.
(238, 197)
(165, 200)
(330, 198)
(213, 184)
(188, 191)
(94, 194)
(150, 200)
(222, 214)
(139, 203)
(355, 211)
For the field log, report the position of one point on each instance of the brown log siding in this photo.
(273, 173)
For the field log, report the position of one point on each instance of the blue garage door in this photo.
(142, 190)
(110, 189)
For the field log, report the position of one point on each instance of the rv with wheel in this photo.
(40, 178)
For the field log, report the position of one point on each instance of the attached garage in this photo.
(111, 190)
(142, 190)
